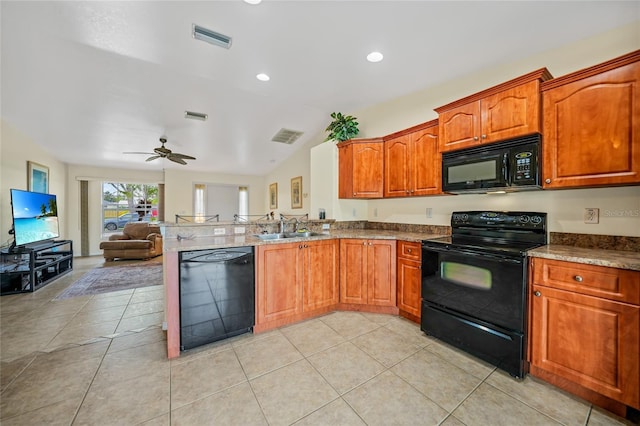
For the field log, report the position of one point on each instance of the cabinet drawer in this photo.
(409, 250)
(600, 281)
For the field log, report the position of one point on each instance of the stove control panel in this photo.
(506, 220)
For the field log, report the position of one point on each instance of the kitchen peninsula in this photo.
(201, 237)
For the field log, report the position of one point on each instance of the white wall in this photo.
(296, 165)
(619, 207)
(16, 149)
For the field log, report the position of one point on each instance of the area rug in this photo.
(105, 279)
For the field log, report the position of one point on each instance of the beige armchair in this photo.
(139, 240)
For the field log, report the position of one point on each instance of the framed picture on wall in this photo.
(37, 177)
(273, 195)
(296, 192)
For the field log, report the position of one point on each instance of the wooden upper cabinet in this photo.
(506, 111)
(591, 127)
(361, 168)
(460, 127)
(412, 162)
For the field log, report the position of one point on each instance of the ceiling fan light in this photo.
(195, 115)
(210, 36)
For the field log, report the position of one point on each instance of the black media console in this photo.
(30, 268)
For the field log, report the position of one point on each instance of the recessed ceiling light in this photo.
(374, 57)
(253, 1)
(263, 77)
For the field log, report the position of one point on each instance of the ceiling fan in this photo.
(162, 152)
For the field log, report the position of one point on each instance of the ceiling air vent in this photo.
(195, 115)
(201, 33)
(286, 136)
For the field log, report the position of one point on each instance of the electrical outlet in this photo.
(353, 212)
(238, 230)
(326, 226)
(428, 211)
(591, 215)
(219, 231)
(375, 212)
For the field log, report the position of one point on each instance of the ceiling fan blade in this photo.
(138, 152)
(162, 151)
(186, 157)
(177, 160)
(155, 157)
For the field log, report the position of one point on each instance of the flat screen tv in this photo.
(35, 217)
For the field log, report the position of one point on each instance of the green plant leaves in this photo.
(342, 127)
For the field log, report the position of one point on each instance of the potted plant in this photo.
(342, 127)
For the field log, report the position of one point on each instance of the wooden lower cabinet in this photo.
(368, 272)
(586, 344)
(409, 279)
(294, 281)
(320, 277)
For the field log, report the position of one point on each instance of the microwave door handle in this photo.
(505, 168)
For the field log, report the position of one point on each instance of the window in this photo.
(223, 200)
(128, 202)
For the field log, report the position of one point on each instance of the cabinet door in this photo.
(353, 271)
(278, 289)
(425, 163)
(591, 130)
(409, 283)
(381, 272)
(511, 113)
(368, 164)
(460, 127)
(397, 167)
(320, 288)
(588, 340)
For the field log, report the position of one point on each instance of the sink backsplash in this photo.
(604, 242)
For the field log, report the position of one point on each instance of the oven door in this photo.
(488, 287)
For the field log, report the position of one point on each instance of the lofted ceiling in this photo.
(90, 80)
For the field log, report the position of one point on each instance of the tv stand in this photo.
(26, 269)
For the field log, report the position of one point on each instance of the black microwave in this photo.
(509, 166)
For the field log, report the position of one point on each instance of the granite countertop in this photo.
(213, 242)
(610, 258)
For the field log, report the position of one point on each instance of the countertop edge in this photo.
(609, 258)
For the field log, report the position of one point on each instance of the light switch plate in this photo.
(238, 230)
(218, 231)
(326, 226)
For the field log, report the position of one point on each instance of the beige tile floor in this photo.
(101, 360)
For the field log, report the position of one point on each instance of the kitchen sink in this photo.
(279, 236)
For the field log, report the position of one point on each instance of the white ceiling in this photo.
(89, 80)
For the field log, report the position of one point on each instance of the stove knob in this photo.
(524, 219)
(536, 220)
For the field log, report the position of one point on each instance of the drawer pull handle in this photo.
(578, 278)
(537, 294)
(409, 250)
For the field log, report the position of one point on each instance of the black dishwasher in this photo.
(217, 295)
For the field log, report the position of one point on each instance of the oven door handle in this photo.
(472, 253)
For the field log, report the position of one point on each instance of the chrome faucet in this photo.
(284, 220)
